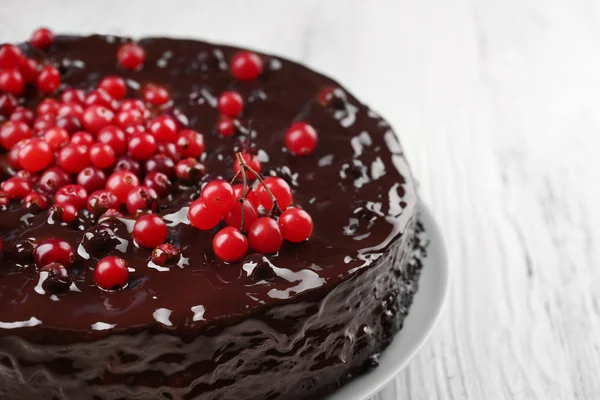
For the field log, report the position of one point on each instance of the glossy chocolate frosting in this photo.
(356, 186)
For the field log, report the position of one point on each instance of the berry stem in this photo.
(243, 167)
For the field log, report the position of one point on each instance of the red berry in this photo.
(35, 155)
(42, 123)
(102, 200)
(114, 137)
(141, 146)
(63, 212)
(231, 104)
(52, 179)
(70, 109)
(160, 163)
(102, 155)
(56, 138)
(155, 95)
(53, 250)
(226, 127)
(238, 190)
(7, 104)
(158, 182)
(100, 97)
(22, 114)
(73, 158)
(36, 201)
(133, 104)
(111, 273)
(42, 38)
(73, 194)
(295, 224)
(13, 155)
(301, 139)
(130, 118)
(141, 198)
(48, 106)
(30, 177)
(169, 149)
(189, 170)
(49, 79)
(131, 56)
(164, 254)
(150, 230)
(11, 81)
(29, 70)
(218, 196)
(230, 245)
(190, 143)
(70, 123)
(133, 129)
(16, 188)
(96, 117)
(234, 216)
(163, 128)
(121, 183)
(73, 96)
(115, 86)
(252, 161)
(125, 163)
(201, 217)
(264, 236)
(4, 201)
(280, 189)
(92, 179)
(246, 66)
(13, 132)
(82, 138)
(10, 56)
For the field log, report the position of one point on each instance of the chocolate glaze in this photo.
(203, 328)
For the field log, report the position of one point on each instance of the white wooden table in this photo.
(498, 105)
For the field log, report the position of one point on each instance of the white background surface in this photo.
(498, 106)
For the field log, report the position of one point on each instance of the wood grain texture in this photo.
(498, 106)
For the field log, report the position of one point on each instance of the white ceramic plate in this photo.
(424, 313)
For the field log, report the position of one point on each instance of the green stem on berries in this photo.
(245, 166)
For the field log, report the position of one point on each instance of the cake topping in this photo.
(111, 273)
(246, 66)
(10, 56)
(53, 250)
(113, 85)
(42, 38)
(165, 254)
(55, 278)
(226, 127)
(131, 56)
(11, 81)
(49, 79)
(150, 231)
(264, 236)
(301, 139)
(229, 244)
(132, 150)
(155, 95)
(231, 104)
(35, 155)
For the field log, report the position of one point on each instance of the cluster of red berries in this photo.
(86, 151)
(238, 206)
(17, 71)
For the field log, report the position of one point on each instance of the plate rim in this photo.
(370, 383)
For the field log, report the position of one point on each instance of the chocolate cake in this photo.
(175, 321)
